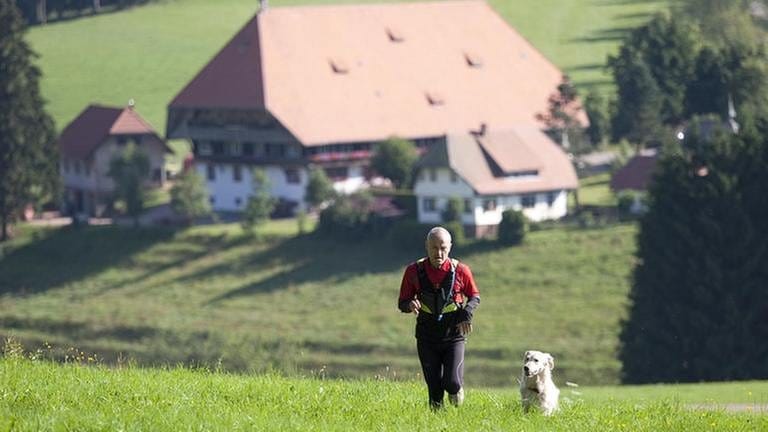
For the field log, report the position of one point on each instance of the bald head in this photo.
(438, 246)
(439, 233)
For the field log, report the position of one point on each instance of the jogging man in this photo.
(442, 293)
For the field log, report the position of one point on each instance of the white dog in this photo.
(536, 385)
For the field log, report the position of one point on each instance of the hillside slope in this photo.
(301, 304)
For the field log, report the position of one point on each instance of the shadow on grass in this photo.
(612, 34)
(70, 254)
(310, 258)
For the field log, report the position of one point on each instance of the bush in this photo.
(624, 202)
(512, 228)
(457, 232)
(453, 209)
(348, 217)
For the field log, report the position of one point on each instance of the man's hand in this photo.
(414, 305)
(465, 327)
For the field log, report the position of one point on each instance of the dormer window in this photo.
(339, 66)
(394, 35)
(473, 60)
(434, 98)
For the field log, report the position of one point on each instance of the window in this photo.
(248, 149)
(218, 148)
(433, 175)
(468, 207)
(212, 199)
(529, 201)
(157, 175)
(337, 173)
(235, 149)
(205, 149)
(292, 176)
(428, 204)
(238, 201)
(237, 173)
(489, 204)
(78, 167)
(551, 197)
(211, 168)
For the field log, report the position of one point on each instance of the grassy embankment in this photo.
(149, 53)
(39, 395)
(302, 303)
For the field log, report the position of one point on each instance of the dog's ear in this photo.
(550, 361)
(525, 356)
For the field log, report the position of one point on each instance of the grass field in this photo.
(303, 303)
(39, 395)
(149, 53)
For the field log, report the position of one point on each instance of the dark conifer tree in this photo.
(699, 294)
(28, 151)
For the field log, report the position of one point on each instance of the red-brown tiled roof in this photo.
(92, 127)
(232, 79)
(351, 73)
(636, 174)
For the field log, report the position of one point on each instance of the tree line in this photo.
(41, 11)
(694, 84)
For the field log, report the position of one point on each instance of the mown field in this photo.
(150, 53)
(209, 295)
(42, 396)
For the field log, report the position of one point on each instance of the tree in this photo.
(260, 203)
(512, 227)
(651, 71)
(189, 196)
(722, 22)
(129, 170)
(638, 106)
(28, 151)
(453, 210)
(562, 116)
(731, 82)
(348, 218)
(599, 123)
(394, 160)
(319, 188)
(698, 300)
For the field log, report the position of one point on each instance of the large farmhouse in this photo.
(321, 85)
(87, 147)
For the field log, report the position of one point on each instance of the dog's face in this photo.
(535, 362)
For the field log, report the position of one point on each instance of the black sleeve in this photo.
(471, 305)
(403, 305)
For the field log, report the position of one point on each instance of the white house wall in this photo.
(226, 194)
(443, 188)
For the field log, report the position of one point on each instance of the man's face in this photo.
(438, 248)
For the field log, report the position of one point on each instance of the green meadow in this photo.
(150, 53)
(213, 295)
(43, 396)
